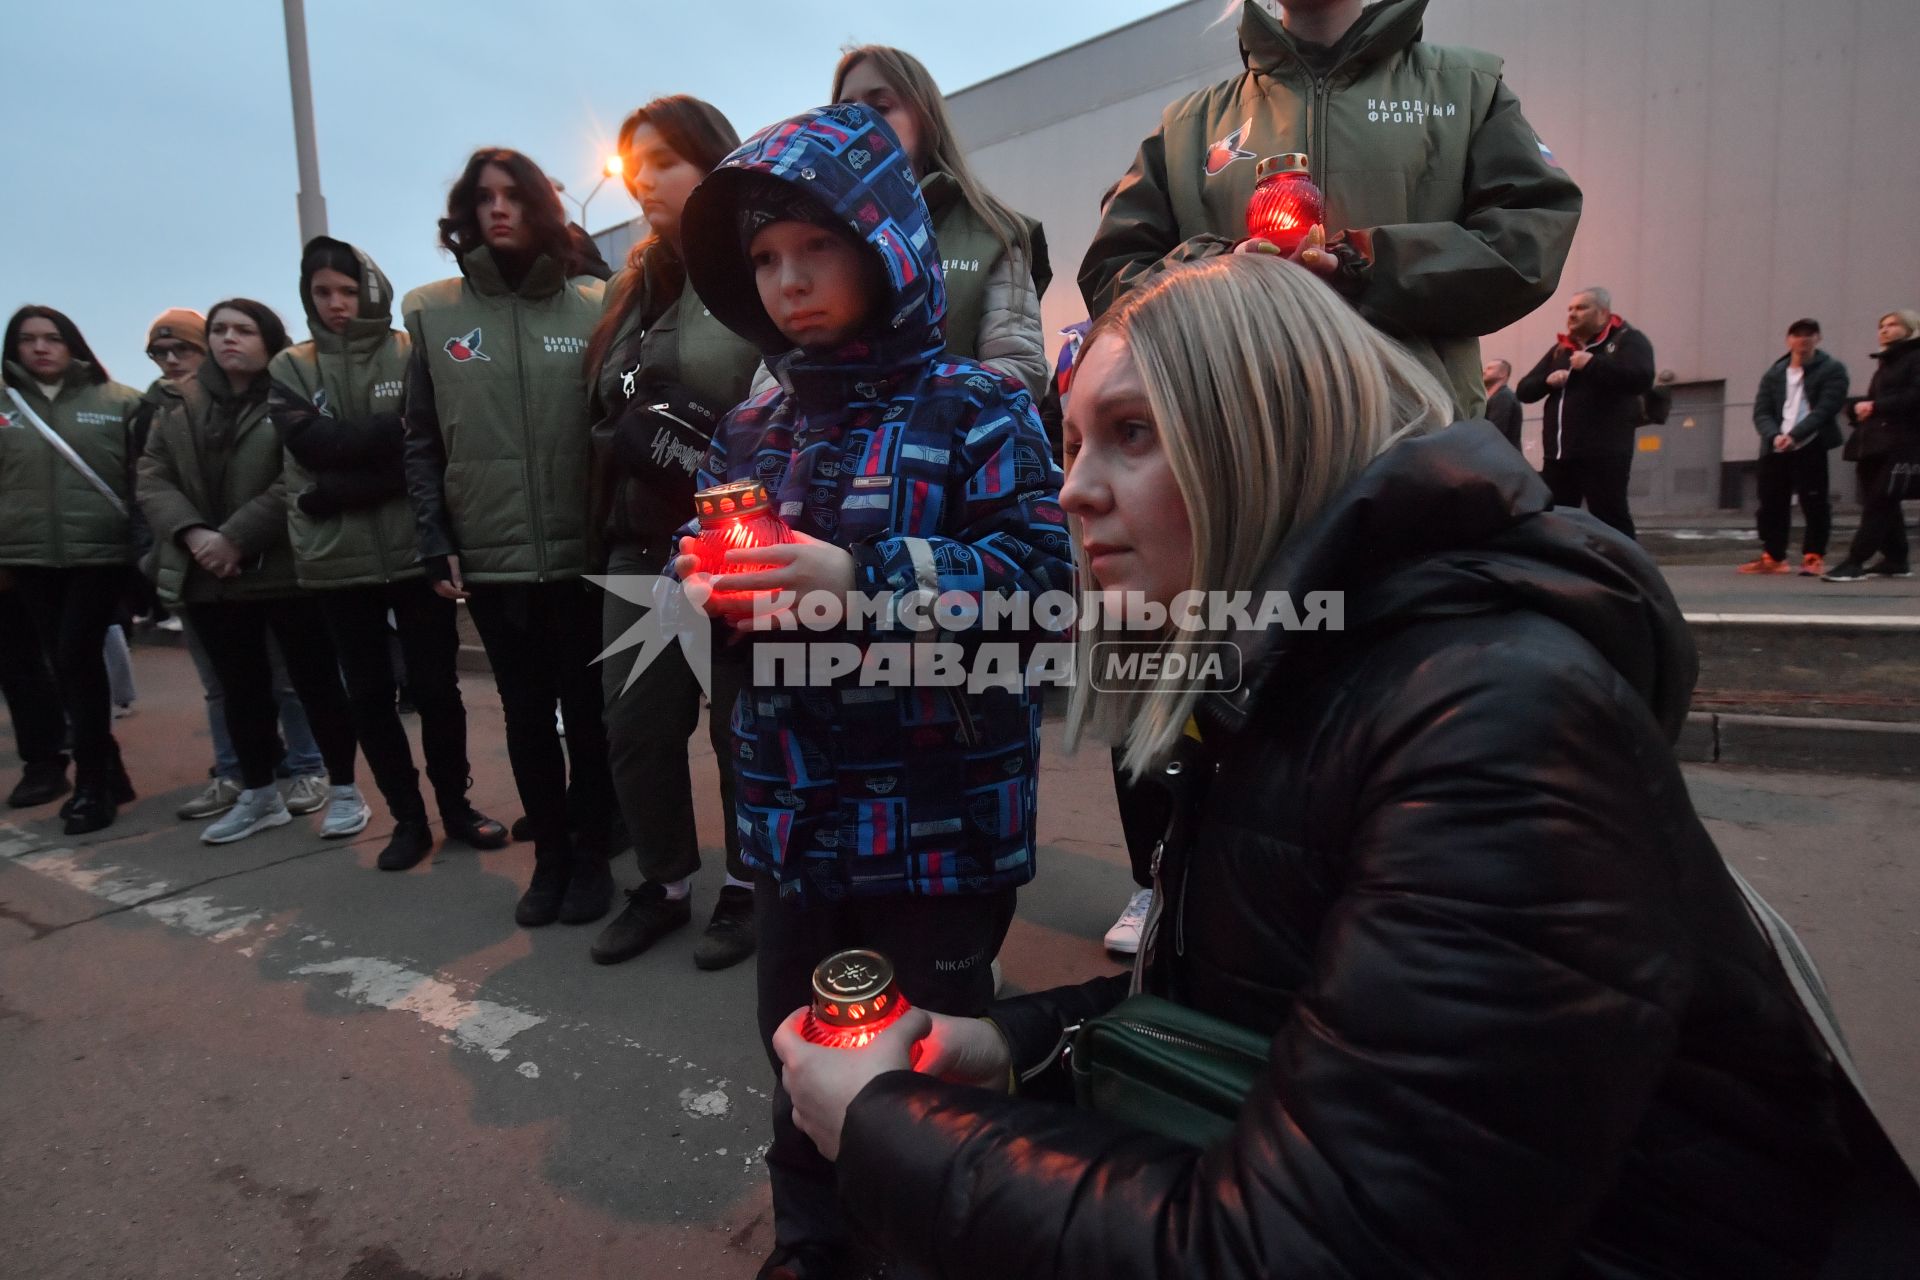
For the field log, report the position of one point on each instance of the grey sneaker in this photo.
(307, 793)
(221, 795)
(254, 811)
(347, 813)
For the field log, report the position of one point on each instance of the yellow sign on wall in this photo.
(1649, 444)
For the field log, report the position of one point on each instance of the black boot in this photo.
(728, 937)
(522, 829)
(649, 916)
(41, 782)
(473, 828)
(412, 840)
(118, 783)
(590, 889)
(552, 867)
(91, 808)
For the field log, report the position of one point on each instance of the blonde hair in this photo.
(1907, 317)
(909, 78)
(1269, 395)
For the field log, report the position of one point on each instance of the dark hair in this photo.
(69, 333)
(546, 217)
(272, 331)
(698, 134)
(1803, 326)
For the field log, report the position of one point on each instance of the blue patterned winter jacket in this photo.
(935, 474)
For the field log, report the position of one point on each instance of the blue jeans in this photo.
(303, 753)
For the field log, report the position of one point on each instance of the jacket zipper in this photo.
(1317, 135)
(531, 452)
(53, 494)
(1174, 1038)
(375, 525)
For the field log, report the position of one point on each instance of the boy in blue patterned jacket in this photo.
(896, 818)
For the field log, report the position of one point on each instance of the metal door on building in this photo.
(1676, 463)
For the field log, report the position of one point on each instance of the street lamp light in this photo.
(612, 167)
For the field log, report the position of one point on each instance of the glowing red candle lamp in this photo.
(854, 999)
(1285, 203)
(733, 516)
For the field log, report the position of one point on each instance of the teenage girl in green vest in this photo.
(995, 259)
(336, 401)
(496, 459)
(662, 372)
(66, 542)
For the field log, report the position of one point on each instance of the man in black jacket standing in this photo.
(1503, 407)
(1797, 414)
(1592, 380)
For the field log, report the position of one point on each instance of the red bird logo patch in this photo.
(467, 348)
(1228, 149)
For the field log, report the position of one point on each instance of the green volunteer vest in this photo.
(51, 515)
(511, 396)
(350, 376)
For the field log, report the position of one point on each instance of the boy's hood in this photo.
(847, 159)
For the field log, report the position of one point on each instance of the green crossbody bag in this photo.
(1162, 1067)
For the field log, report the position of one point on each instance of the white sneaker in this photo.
(255, 811)
(307, 794)
(347, 813)
(220, 796)
(1124, 937)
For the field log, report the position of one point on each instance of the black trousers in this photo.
(33, 699)
(1800, 473)
(1598, 482)
(542, 639)
(648, 728)
(1883, 529)
(234, 634)
(72, 609)
(942, 950)
(430, 647)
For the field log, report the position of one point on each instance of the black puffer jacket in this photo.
(1894, 393)
(1522, 1026)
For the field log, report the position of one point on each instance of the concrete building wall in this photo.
(1745, 162)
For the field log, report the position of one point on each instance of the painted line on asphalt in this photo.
(469, 1023)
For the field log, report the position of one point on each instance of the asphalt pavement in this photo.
(271, 1060)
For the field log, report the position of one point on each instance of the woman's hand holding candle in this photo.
(803, 565)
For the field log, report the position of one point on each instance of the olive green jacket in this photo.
(213, 461)
(50, 514)
(338, 392)
(1425, 160)
(498, 433)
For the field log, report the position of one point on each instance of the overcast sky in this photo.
(151, 144)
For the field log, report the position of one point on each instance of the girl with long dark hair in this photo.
(497, 442)
(212, 487)
(662, 372)
(67, 535)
